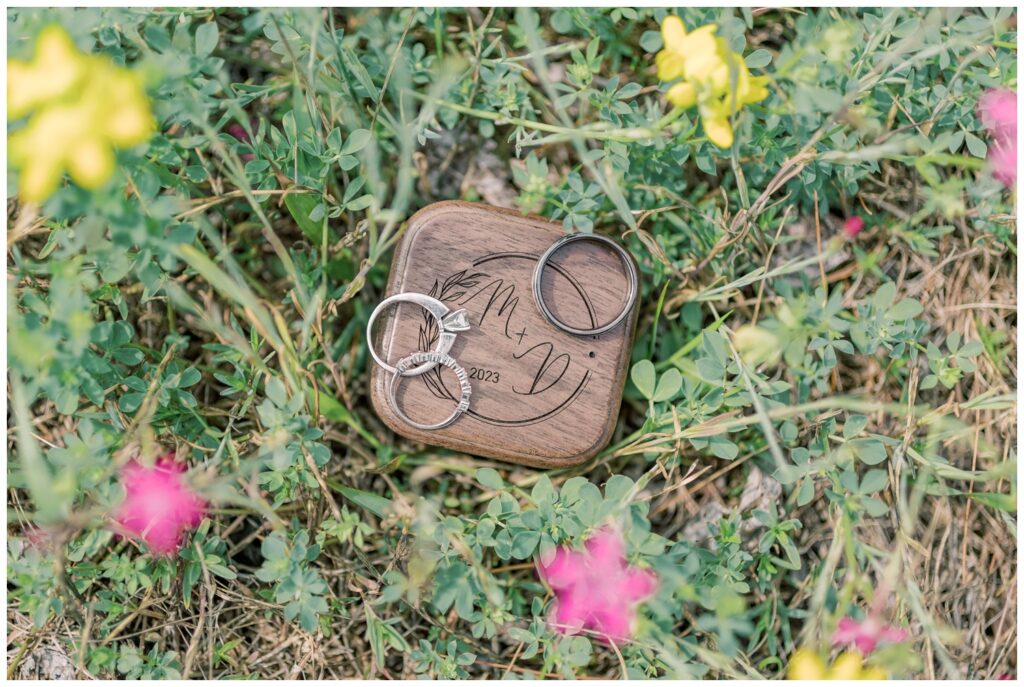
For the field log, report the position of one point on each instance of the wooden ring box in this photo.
(541, 397)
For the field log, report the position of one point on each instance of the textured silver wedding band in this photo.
(433, 358)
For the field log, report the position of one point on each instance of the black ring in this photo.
(627, 264)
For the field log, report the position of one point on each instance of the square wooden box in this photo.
(541, 397)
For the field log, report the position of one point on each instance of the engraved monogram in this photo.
(543, 371)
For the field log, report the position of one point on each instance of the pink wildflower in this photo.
(853, 226)
(867, 634)
(239, 132)
(596, 589)
(38, 539)
(998, 112)
(1002, 159)
(159, 507)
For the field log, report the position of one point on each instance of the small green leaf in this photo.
(376, 504)
(651, 41)
(668, 385)
(873, 481)
(643, 377)
(874, 507)
(525, 543)
(301, 207)
(274, 548)
(855, 424)
(542, 490)
(357, 140)
(806, 492)
(128, 355)
(130, 402)
(1004, 502)
(618, 488)
(189, 377)
(904, 310)
(723, 448)
(869, 451)
(207, 36)
(971, 349)
(758, 59)
(561, 21)
(361, 203)
(490, 478)
(976, 146)
(276, 392)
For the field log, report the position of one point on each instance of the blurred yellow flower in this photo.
(714, 78)
(806, 664)
(55, 69)
(79, 107)
(756, 344)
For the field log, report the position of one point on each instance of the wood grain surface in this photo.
(541, 397)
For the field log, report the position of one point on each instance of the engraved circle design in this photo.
(449, 323)
(497, 298)
(405, 369)
(627, 265)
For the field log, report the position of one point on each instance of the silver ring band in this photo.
(449, 323)
(432, 358)
(627, 265)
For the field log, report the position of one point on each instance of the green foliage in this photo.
(286, 565)
(212, 299)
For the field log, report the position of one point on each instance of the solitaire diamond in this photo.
(457, 321)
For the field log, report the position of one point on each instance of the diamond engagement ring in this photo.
(449, 324)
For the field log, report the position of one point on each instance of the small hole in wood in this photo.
(592, 354)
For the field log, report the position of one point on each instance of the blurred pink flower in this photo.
(1002, 158)
(596, 589)
(239, 132)
(39, 539)
(159, 507)
(866, 634)
(853, 226)
(998, 112)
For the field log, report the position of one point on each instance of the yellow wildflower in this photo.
(689, 55)
(846, 667)
(714, 78)
(806, 664)
(716, 116)
(873, 673)
(79, 107)
(55, 69)
(756, 344)
(682, 94)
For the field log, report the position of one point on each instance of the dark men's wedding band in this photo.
(627, 265)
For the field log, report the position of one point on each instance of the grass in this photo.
(868, 459)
